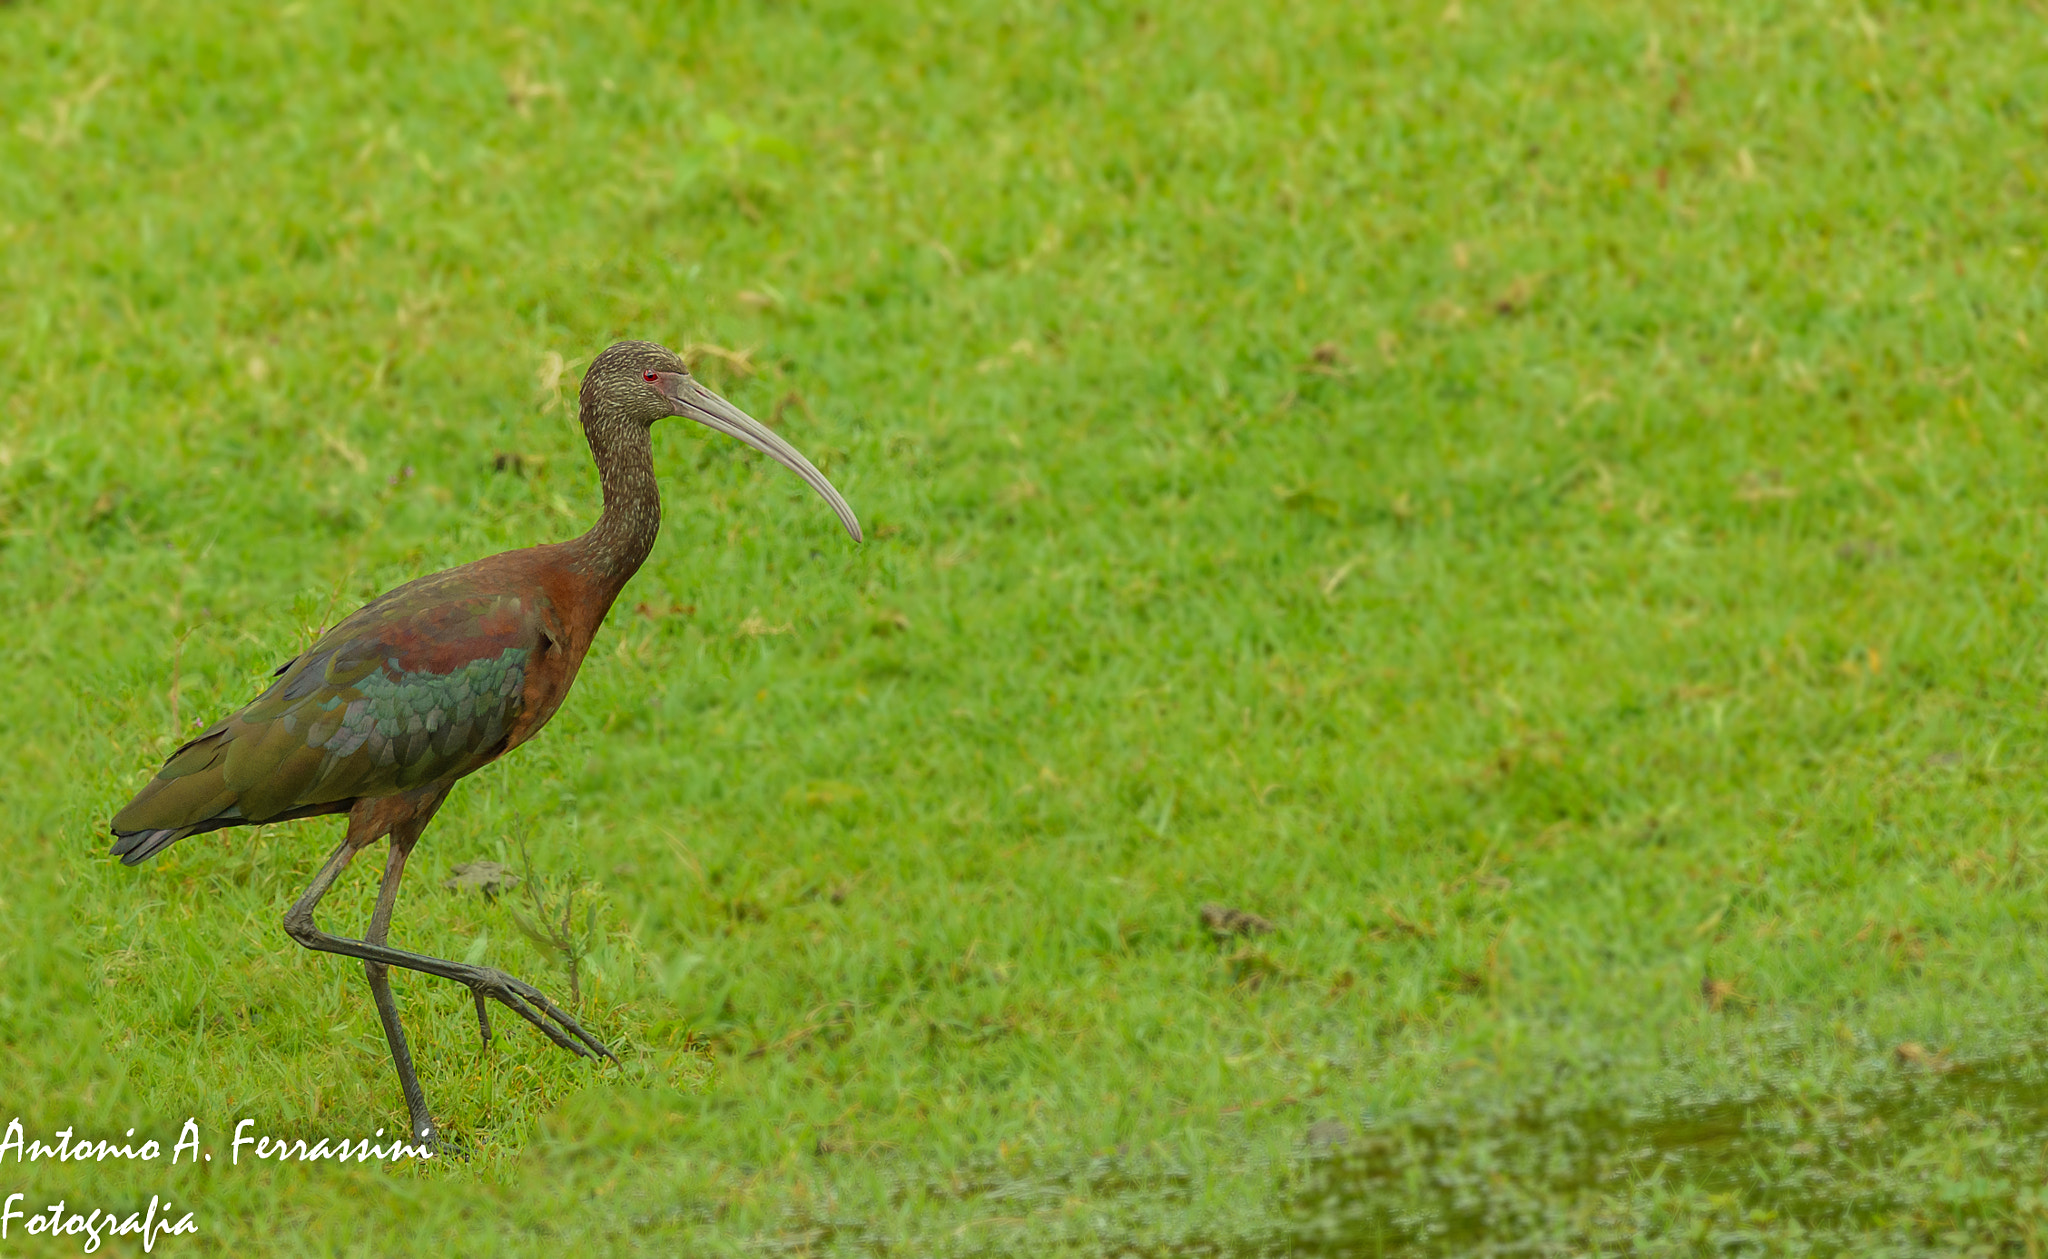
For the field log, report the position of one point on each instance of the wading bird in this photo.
(435, 680)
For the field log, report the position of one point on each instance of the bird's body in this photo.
(433, 681)
(419, 688)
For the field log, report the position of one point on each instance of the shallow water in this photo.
(1911, 1156)
(1923, 1157)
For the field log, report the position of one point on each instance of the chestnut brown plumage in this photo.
(433, 681)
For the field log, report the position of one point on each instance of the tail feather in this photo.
(139, 845)
(135, 847)
(186, 797)
(193, 794)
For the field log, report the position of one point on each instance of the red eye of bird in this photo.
(653, 376)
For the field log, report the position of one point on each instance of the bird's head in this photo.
(639, 382)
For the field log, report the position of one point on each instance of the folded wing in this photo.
(423, 684)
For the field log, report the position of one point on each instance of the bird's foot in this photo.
(527, 1001)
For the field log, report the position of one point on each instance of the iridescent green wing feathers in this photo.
(421, 685)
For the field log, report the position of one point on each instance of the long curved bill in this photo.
(714, 412)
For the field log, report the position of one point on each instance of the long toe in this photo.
(529, 1003)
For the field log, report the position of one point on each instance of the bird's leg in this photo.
(298, 923)
(300, 915)
(402, 841)
(520, 997)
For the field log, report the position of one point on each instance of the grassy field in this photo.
(1542, 503)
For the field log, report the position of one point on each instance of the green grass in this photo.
(1642, 587)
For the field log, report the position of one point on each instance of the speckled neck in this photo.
(624, 535)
